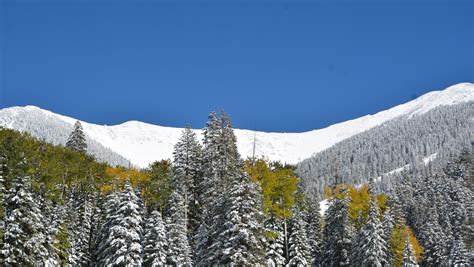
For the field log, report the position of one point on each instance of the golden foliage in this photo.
(278, 187)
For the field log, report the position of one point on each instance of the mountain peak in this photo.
(144, 143)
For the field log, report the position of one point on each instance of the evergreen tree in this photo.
(458, 255)
(62, 245)
(80, 230)
(408, 254)
(77, 139)
(298, 250)
(314, 229)
(26, 241)
(275, 242)
(370, 247)
(338, 232)
(155, 243)
(240, 237)
(121, 244)
(179, 251)
(221, 164)
(187, 161)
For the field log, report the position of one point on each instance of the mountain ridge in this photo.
(143, 143)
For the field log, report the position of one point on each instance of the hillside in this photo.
(143, 143)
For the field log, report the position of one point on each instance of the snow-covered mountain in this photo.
(143, 143)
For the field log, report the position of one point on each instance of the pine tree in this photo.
(155, 243)
(408, 254)
(187, 161)
(77, 139)
(121, 244)
(298, 250)
(370, 248)
(338, 232)
(179, 251)
(80, 218)
(275, 242)
(240, 236)
(458, 255)
(26, 241)
(221, 164)
(314, 229)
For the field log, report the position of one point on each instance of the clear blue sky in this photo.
(272, 65)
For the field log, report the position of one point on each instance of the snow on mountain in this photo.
(143, 143)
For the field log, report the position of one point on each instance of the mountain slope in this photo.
(143, 143)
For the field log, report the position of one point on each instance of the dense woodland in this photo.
(208, 206)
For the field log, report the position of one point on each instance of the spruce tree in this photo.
(370, 248)
(458, 255)
(338, 232)
(314, 230)
(121, 244)
(221, 164)
(77, 138)
(179, 251)
(187, 165)
(240, 236)
(26, 241)
(275, 242)
(155, 245)
(408, 254)
(80, 230)
(298, 244)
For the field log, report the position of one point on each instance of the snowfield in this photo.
(143, 143)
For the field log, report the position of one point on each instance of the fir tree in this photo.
(408, 254)
(240, 237)
(370, 248)
(77, 139)
(122, 243)
(221, 164)
(338, 232)
(155, 243)
(298, 250)
(458, 255)
(314, 229)
(275, 242)
(187, 161)
(179, 251)
(26, 241)
(80, 218)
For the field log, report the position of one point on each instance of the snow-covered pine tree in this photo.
(298, 244)
(240, 239)
(314, 229)
(409, 254)
(388, 223)
(179, 251)
(221, 164)
(80, 227)
(370, 248)
(77, 138)
(154, 241)
(26, 241)
(434, 241)
(458, 255)
(187, 161)
(121, 244)
(275, 242)
(338, 232)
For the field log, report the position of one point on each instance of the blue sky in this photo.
(272, 65)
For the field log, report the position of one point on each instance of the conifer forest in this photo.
(208, 206)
